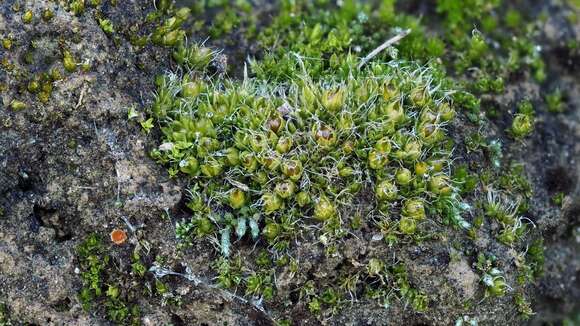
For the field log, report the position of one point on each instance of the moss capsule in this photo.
(446, 112)
(285, 189)
(411, 151)
(403, 176)
(189, 166)
(414, 208)
(191, 89)
(394, 112)
(345, 121)
(430, 133)
(333, 100)
(237, 198)
(274, 124)
(439, 185)
(183, 13)
(308, 98)
(27, 17)
(249, 161)
(407, 225)
(33, 86)
(69, 62)
(284, 145)
(106, 26)
(292, 169)
(324, 209)
(346, 172)
(55, 74)
(375, 267)
(271, 231)
(437, 165)
(421, 168)
(377, 160)
(260, 177)
(271, 203)
(390, 91)
(324, 135)
(428, 116)
(232, 156)
(271, 161)
(496, 287)
(43, 97)
(386, 191)
(77, 7)
(47, 15)
(383, 145)
(303, 198)
(420, 97)
(18, 105)
(211, 168)
(348, 147)
(522, 125)
(7, 43)
(204, 226)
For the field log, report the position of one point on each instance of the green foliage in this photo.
(229, 272)
(99, 289)
(535, 257)
(493, 279)
(107, 26)
(94, 265)
(417, 299)
(460, 15)
(554, 101)
(557, 199)
(260, 285)
(523, 306)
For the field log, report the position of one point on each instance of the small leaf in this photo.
(255, 230)
(241, 227)
(225, 241)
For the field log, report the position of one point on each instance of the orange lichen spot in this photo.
(118, 236)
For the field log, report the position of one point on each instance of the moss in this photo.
(68, 61)
(47, 15)
(321, 117)
(17, 105)
(77, 7)
(27, 17)
(555, 101)
(5, 319)
(7, 43)
(524, 120)
(107, 26)
(102, 289)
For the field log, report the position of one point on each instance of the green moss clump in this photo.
(524, 120)
(27, 17)
(312, 145)
(269, 161)
(103, 288)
